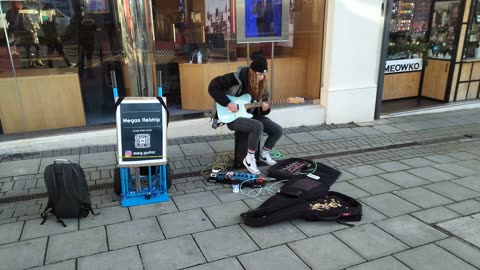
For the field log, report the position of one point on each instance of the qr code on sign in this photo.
(142, 140)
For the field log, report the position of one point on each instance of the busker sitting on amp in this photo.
(251, 80)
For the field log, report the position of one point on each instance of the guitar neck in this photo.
(259, 104)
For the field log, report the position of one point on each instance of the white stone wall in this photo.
(353, 38)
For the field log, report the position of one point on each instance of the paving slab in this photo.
(351, 190)
(66, 265)
(455, 169)
(97, 159)
(471, 164)
(185, 222)
(417, 162)
(387, 129)
(344, 176)
(23, 255)
(175, 253)
(390, 205)
(404, 179)
(325, 252)
(302, 137)
(174, 151)
(76, 243)
(364, 171)
(47, 161)
(314, 228)
(223, 146)
(453, 191)
(109, 215)
(19, 167)
(226, 214)
(195, 200)
(226, 195)
(462, 250)
(392, 166)
(464, 208)
(380, 264)
(441, 159)
(347, 132)
(325, 135)
(131, 233)
(283, 141)
(369, 131)
(374, 185)
(275, 234)
(469, 182)
(466, 228)
(35, 229)
(431, 257)
(229, 263)
(462, 155)
(127, 258)
(224, 242)
(370, 242)
(435, 215)
(278, 258)
(10, 232)
(150, 210)
(422, 197)
(410, 230)
(431, 174)
(193, 149)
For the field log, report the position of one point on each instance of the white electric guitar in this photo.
(243, 103)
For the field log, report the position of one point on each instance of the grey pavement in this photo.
(418, 178)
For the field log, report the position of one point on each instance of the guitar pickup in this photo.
(238, 107)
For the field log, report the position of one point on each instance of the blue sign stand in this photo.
(155, 192)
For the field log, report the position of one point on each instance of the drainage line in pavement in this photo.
(320, 156)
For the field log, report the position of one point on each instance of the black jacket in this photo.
(234, 84)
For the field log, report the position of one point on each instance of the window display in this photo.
(443, 29)
(402, 15)
(472, 42)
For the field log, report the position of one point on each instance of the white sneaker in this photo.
(251, 164)
(266, 158)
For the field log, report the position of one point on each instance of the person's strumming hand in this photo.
(265, 106)
(232, 107)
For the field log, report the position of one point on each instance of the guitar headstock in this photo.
(295, 100)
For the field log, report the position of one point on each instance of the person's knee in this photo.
(257, 128)
(280, 131)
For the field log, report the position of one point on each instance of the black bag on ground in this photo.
(298, 167)
(68, 195)
(307, 198)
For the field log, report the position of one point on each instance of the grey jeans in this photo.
(254, 127)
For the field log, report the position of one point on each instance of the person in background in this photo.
(53, 40)
(264, 13)
(29, 36)
(249, 80)
(86, 40)
(183, 44)
(11, 17)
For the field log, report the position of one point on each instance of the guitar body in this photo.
(226, 116)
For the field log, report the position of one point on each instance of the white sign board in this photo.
(404, 65)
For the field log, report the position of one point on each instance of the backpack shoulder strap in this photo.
(52, 200)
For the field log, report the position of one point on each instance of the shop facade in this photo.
(185, 45)
(433, 53)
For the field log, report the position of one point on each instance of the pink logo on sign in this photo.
(128, 153)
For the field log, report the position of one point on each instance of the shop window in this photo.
(184, 30)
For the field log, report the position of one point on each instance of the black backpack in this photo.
(68, 195)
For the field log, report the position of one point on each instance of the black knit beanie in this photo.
(259, 64)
